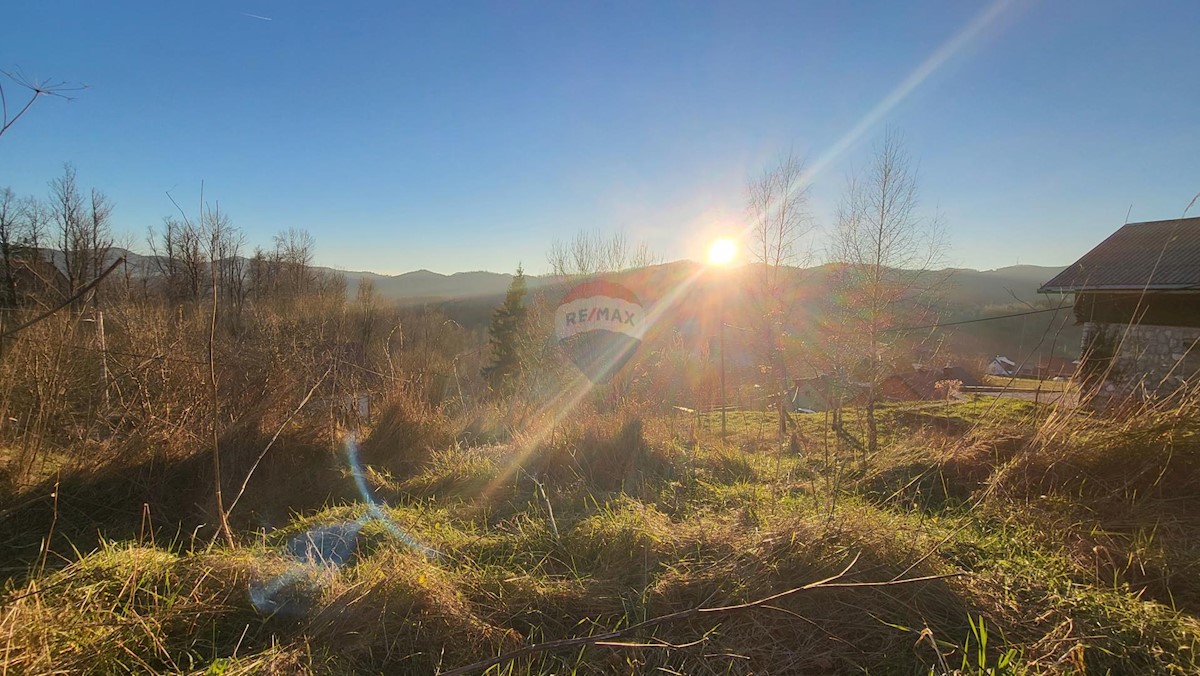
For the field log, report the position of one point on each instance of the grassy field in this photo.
(989, 536)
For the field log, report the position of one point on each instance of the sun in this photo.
(722, 251)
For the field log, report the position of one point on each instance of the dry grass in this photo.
(506, 523)
(406, 432)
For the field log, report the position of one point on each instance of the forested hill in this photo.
(963, 287)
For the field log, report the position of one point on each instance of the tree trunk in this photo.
(872, 430)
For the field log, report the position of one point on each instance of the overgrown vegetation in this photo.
(393, 511)
(1053, 540)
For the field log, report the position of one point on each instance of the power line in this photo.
(973, 321)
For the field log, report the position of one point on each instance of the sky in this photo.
(467, 136)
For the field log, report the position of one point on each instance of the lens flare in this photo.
(319, 552)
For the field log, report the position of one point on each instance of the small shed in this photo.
(1137, 295)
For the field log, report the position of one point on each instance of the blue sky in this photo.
(463, 136)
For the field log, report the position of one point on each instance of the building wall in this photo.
(1158, 358)
(1178, 308)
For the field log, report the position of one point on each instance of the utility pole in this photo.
(103, 353)
(722, 348)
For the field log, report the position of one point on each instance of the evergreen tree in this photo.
(505, 335)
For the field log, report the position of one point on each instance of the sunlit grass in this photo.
(1059, 572)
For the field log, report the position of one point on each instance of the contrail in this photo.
(256, 16)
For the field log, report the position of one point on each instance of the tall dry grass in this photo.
(101, 436)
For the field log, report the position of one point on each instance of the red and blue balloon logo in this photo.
(599, 325)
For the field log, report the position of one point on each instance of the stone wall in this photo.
(1157, 358)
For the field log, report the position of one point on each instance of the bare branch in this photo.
(37, 89)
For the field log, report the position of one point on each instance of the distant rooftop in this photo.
(1155, 255)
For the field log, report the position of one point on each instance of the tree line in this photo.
(53, 245)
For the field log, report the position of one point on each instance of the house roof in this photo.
(1155, 255)
(919, 384)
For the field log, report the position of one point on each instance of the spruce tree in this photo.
(505, 335)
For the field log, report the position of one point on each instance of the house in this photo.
(35, 277)
(1137, 295)
(1001, 366)
(821, 393)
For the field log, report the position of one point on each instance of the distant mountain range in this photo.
(423, 285)
(964, 287)
(1001, 286)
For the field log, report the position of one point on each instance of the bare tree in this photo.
(192, 257)
(261, 275)
(330, 284)
(10, 224)
(593, 253)
(284, 271)
(368, 319)
(294, 252)
(97, 236)
(212, 221)
(644, 257)
(778, 212)
(225, 252)
(777, 207)
(235, 270)
(67, 212)
(163, 248)
(180, 255)
(223, 246)
(82, 228)
(37, 220)
(886, 251)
